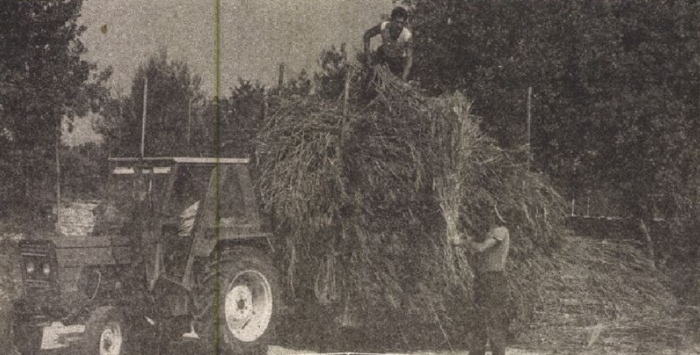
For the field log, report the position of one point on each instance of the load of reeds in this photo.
(367, 199)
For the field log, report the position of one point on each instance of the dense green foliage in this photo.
(42, 81)
(174, 119)
(615, 88)
(181, 119)
(84, 172)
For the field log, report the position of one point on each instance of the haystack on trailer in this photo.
(182, 250)
(369, 196)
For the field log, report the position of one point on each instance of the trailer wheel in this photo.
(105, 333)
(238, 303)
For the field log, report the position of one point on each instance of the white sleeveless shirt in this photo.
(394, 48)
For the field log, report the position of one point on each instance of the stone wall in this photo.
(77, 218)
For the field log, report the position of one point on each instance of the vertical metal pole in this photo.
(529, 124)
(217, 83)
(343, 125)
(143, 119)
(110, 147)
(263, 119)
(280, 79)
(217, 169)
(58, 178)
(588, 205)
(346, 93)
(189, 120)
(265, 105)
(697, 201)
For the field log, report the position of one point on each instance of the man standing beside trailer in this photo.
(491, 295)
(396, 50)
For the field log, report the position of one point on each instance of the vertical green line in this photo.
(217, 79)
(217, 170)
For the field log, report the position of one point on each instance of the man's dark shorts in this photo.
(395, 65)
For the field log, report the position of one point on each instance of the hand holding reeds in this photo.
(466, 242)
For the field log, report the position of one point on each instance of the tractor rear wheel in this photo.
(238, 302)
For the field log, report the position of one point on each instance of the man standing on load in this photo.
(396, 50)
(491, 295)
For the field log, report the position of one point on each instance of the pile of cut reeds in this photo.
(366, 203)
(607, 295)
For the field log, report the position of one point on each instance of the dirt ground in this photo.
(274, 350)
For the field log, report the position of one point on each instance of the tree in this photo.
(173, 114)
(615, 83)
(85, 171)
(330, 80)
(42, 80)
(298, 86)
(242, 114)
(243, 111)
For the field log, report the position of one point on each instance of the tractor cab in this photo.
(168, 229)
(185, 206)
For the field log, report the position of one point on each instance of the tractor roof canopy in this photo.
(161, 165)
(179, 160)
(173, 184)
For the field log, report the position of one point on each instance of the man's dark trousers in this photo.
(492, 301)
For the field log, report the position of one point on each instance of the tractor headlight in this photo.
(30, 267)
(46, 268)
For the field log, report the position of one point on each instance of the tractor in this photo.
(180, 252)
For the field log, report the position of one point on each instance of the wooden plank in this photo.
(197, 160)
(185, 160)
(121, 170)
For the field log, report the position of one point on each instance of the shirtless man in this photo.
(491, 295)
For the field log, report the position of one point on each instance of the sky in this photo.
(256, 36)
